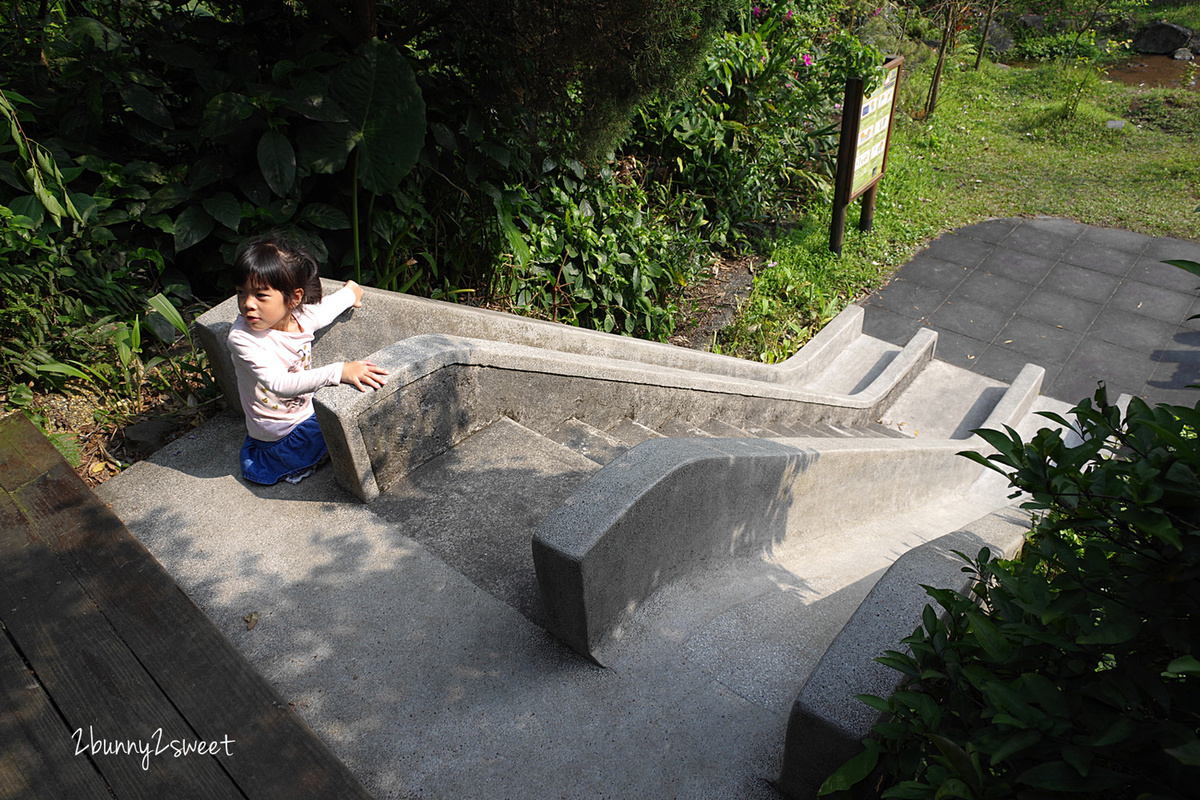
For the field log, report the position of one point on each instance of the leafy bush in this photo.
(1076, 668)
(758, 138)
(1057, 47)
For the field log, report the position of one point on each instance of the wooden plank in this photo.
(16, 465)
(276, 755)
(38, 758)
(97, 684)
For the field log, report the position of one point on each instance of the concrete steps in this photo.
(733, 516)
(476, 506)
(479, 504)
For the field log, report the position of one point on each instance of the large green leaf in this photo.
(167, 197)
(325, 216)
(224, 113)
(386, 117)
(277, 160)
(94, 32)
(225, 209)
(191, 227)
(146, 105)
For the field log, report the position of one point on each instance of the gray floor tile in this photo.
(984, 287)
(1165, 247)
(977, 320)
(959, 249)
(933, 272)
(1176, 397)
(1071, 386)
(1066, 228)
(1052, 293)
(1086, 284)
(1152, 269)
(888, 325)
(1001, 363)
(1110, 362)
(908, 299)
(1177, 362)
(991, 231)
(1041, 343)
(1055, 308)
(961, 351)
(1017, 265)
(1101, 258)
(1131, 330)
(1115, 237)
(1153, 301)
(1043, 243)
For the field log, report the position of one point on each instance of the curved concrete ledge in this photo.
(827, 723)
(667, 506)
(1017, 399)
(389, 317)
(443, 388)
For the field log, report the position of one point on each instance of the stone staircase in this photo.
(479, 505)
(646, 504)
(490, 424)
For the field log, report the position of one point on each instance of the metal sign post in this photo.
(863, 149)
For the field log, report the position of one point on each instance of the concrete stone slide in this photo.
(765, 526)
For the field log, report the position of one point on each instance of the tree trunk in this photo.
(936, 81)
(987, 27)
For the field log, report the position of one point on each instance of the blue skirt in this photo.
(268, 462)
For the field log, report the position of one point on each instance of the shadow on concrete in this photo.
(1186, 361)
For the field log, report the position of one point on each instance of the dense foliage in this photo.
(1076, 668)
(456, 150)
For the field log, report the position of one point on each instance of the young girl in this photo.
(279, 297)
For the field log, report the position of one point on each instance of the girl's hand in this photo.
(363, 374)
(358, 294)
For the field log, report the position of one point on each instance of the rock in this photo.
(999, 39)
(1182, 54)
(1115, 124)
(1161, 38)
(1035, 22)
(148, 436)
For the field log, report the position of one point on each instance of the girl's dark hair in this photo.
(276, 262)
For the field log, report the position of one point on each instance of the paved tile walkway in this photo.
(1085, 303)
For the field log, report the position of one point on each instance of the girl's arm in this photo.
(268, 371)
(326, 311)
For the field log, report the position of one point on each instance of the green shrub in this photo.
(595, 252)
(1057, 47)
(1076, 668)
(758, 138)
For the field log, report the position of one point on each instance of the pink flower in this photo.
(808, 60)
(789, 16)
(758, 12)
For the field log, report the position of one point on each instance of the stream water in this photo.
(1143, 70)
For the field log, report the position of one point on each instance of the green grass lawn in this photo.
(1003, 142)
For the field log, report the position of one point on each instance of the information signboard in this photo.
(863, 148)
(874, 129)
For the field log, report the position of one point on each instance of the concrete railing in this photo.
(669, 506)
(827, 722)
(445, 385)
(442, 389)
(390, 317)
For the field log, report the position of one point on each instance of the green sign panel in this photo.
(875, 121)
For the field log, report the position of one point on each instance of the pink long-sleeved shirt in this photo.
(274, 375)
